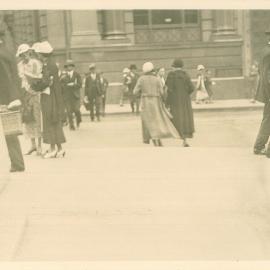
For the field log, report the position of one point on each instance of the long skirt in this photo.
(156, 123)
(33, 129)
(52, 129)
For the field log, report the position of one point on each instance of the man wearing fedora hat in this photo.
(72, 84)
(10, 97)
(263, 95)
(93, 92)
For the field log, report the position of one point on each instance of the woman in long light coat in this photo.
(156, 123)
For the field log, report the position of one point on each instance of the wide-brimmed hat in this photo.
(178, 63)
(44, 47)
(23, 48)
(126, 70)
(147, 67)
(92, 65)
(69, 63)
(200, 67)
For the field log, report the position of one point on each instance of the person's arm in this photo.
(78, 84)
(138, 87)
(190, 85)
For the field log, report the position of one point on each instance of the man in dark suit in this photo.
(263, 95)
(93, 92)
(134, 99)
(72, 83)
(10, 96)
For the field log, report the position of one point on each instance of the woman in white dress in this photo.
(201, 94)
(30, 69)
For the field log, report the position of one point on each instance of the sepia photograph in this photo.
(135, 135)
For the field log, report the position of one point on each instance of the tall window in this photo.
(165, 18)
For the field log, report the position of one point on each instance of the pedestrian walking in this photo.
(51, 102)
(156, 123)
(10, 98)
(71, 82)
(104, 86)
(93, 92)
(263, 95)
(180, 88)
(161, 75)
(209, 85)
(253, 80)
(132, 80)
(126, 82)
(30, 69)
(201, 94)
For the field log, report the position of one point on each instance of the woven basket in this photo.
(12, 122)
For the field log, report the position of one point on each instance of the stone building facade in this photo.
(225, 41)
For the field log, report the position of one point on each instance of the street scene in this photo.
(134, 135)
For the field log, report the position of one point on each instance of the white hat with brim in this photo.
(200, 67)
(147, 67)
(126, 70)
(44, 47)
(23, 48)
(92, 65)
(35, 46)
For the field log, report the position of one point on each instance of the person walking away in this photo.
(104, 86)
(254, 78)
(201, 94)
(156, 123)
(263, 95)
(30, 69)
(10, 97)
(134, 99)
(72, 84)
(126, 82)
(180, 88)
(208, 85)
(93, 92)
(51, 102)
(161, 75)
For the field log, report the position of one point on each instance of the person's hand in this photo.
(71, 84)
(14, 104)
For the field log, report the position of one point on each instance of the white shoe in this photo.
(61, 153)
(52, 154)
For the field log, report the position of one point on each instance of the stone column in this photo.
(114, 21)
(84, 28)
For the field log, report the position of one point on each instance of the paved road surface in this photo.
(113, 199)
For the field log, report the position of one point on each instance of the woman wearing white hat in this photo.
(30, 69)
(156, 123)
(51, 102)
(201, 95)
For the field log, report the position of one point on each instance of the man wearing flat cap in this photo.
(72, 84)
(263, 95)
(10, 97)
(93, 92)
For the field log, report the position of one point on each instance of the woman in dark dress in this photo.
(180, 88)
(51, 102)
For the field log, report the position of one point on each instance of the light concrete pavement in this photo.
(120, 202)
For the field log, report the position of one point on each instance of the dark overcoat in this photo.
(180, 88)
(263, 89)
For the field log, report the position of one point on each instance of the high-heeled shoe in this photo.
(52, 154)
(61, 153)
(185, 144)
(32, 150)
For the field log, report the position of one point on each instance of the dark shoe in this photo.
(32, 150)
(16, 170)
(159, 143)
(72, 128)
(261, 152)
(186, 144)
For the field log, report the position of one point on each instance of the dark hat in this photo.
(69, 63)
(178, 63)
(132, 66)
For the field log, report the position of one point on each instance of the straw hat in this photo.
(92, 65)
(23, 48)
(44, 47)
(200, 67)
